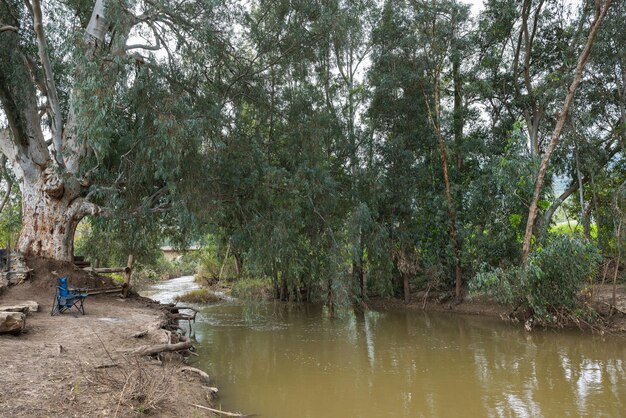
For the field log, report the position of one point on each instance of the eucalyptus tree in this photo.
(397, 116)
(601, 10)
(440, 26)
(280, 170)
(596, 134)
(96, 115)
(534, 52)
(349, 52)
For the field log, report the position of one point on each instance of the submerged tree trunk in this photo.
(330, 298)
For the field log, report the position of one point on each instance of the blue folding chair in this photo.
(66, 298)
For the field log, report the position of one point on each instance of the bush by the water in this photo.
(252, 289)
(198, 296)
(551, 281)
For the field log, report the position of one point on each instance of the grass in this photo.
(199, 296)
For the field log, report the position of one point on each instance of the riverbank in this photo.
(611, 318)
(75, 365)
(608, 316)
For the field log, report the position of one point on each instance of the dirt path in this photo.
(52, 369)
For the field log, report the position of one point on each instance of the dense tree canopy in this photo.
(339, 148)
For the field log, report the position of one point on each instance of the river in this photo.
(293, 361)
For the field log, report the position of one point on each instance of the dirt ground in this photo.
(55, 368)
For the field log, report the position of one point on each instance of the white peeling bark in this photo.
(98, 24)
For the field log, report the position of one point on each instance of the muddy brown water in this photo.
(291, 361)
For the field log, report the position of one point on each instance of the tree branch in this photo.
(6, 28)
(148, 47)
(88, 208)
(53, 98)
(575, 186)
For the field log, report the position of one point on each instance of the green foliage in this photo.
(10, 221)
(573, 228)
(251, 290)
(551, 282)
(117, 278)
(210, 261)
(297, 141)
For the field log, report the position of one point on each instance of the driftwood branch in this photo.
(205, 377)
(151, 350)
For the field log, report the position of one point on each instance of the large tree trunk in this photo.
(51, 210)
(47, 226)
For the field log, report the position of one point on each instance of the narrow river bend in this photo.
(293, 361)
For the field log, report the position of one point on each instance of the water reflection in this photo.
(294, 361)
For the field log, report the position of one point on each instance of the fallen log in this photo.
(104, 270)
(12, 322)
(104, 291)
(205, 377)
(24, 307)
(150, 350)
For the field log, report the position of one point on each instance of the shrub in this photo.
(549, 284)
(555, 274)
(252, 289)
(198, 296)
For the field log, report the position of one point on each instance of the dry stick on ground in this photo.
(582, 61)
(217, 411)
